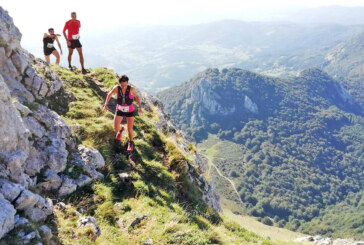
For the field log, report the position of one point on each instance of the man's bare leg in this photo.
(79, 50)
(70, 52)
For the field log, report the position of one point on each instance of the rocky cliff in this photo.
(37, 147)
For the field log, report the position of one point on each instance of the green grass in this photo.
(159, 187)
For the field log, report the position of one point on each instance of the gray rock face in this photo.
(6, 216)
(53, 122)
(13, 133)
(209, 99)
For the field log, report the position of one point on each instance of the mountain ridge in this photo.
(296, 135)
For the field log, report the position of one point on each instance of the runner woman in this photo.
(124, 108)
(48, 45)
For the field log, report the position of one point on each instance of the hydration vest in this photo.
(48, 41)
(124, 99)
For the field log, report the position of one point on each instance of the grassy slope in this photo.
(230, 202)
(159, 189)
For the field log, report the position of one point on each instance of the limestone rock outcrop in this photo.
(37, 147)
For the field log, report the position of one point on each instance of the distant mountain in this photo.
(345, 61)
(301, 140)
(163, 56)
(328, 14)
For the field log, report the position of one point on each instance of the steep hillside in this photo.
(345, 62)
(301, 149)
(61, 182)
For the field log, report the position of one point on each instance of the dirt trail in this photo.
(229, 180)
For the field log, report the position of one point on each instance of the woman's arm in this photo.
(137, 98)
(109, 95)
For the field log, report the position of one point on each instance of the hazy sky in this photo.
(34, 17)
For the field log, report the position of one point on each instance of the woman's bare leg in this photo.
(130, 122)
(55, 53)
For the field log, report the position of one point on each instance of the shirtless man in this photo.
(48, 45)
(73, 40)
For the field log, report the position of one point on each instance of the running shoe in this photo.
(119, 134)
(84, 71)
(130, 146)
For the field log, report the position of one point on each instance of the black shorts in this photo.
(125, 114)
(75, 44)
(48, 51)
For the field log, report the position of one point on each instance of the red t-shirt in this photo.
(73, 28)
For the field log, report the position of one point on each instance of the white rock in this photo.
(250, 105)
(324, 241)
(304, 239)
(341, 242)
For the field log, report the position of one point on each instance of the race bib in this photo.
(122, 108)
(50, 45)
(76, 36)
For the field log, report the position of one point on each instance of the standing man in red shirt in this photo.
(73, 39)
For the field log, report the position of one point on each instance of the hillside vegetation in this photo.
(300, 162)
(159, 187)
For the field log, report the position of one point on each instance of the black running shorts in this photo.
(75, 44)
(48, 51)
(125, 114)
